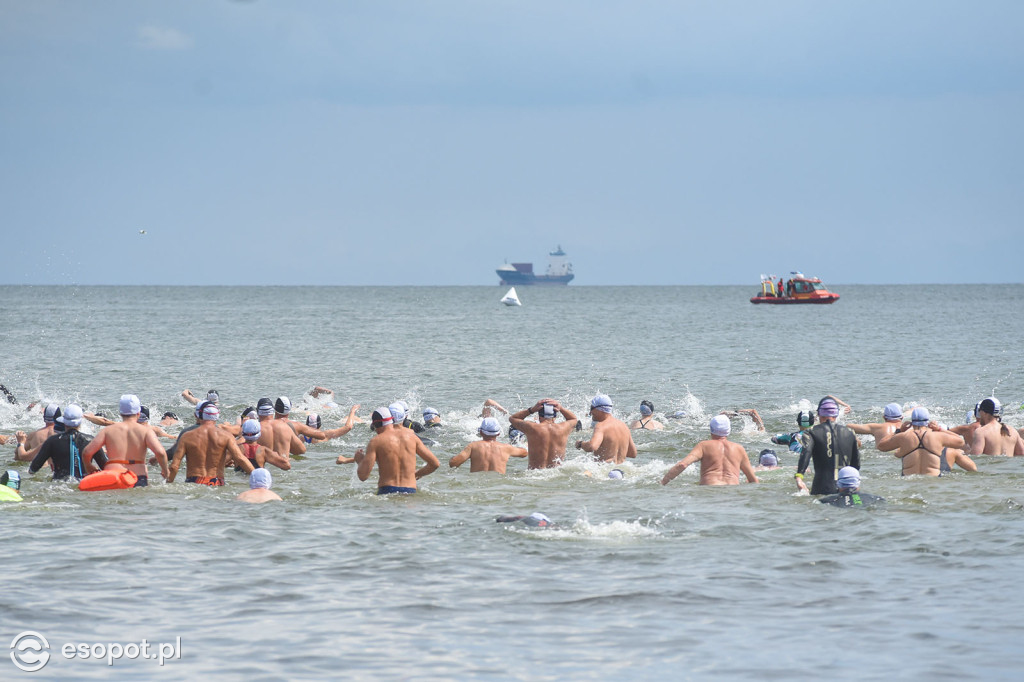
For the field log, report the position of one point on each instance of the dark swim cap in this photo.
(283, 405)
(991, 406)
(143, 413)
(169, 414)
(265, 407)
(805, 419)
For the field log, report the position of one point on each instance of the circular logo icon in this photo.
(30, 651)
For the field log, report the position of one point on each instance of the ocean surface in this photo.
(637, 582)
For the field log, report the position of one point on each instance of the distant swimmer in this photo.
(546, 440)
(277, 434)
(646, 420)
(7, 394)
(830, 447)
(259, 455)
(314, 421)
(431, 420)
(259, 488)
(127, 442)
(767, 459)
(750, 412)
(487, 454)
(534, 520)
(849, 495)
(994, 437)
(804, 421)
(892, 417)
(721, 460)
(28, 445)
(64, 449)
(925, 451)
(206, 450)
(612, 441)
(490, 405)
(393, 451)
(211, 396)
(169, 419)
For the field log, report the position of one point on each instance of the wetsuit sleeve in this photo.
(44, 454)
(806, 451)
(417, 427)
(855, 457)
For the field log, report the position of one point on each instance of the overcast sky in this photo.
(378, 142)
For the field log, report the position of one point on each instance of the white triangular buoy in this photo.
(511, 298)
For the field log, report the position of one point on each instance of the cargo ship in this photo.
(799, 289)
(559, 271)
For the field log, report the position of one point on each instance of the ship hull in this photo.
(515, 279)
(791, 300)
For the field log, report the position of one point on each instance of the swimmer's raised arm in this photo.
(320, 390)
(494, 403)
(187, 395)
(98, 421)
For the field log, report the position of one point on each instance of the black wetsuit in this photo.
(857, 499)
(65, 451)
(830, 447)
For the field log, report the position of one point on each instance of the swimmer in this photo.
(546, 440)
(7, 394)
(750, 412)
(487, 454)
(282, 408)
(211, 396)
(892, 417)
(534, 520)
(804, 420)
(486, 411)
(924, 451)
(259, 455)
(206, 450)
(767, 459)
(10, 484)
(64, 449)
(128, 441)
(236, 428)
(169, 419)
(993, 437)
(849, 495)
(28, 445)
(969, 427)
(259, 488)
(646, 421)
(394, 452)
(612, 441)
(721, 460)
(275, 433)
(830, 447)
(313, 421)
(431, 420)
(515, 436)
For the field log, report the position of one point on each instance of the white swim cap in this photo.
(283, 405)
(920, 416)
(260, 478)
(130, 404)
(490, 427)
(601, 402)
(397, 412)
(849, 477)
(615, 473)
(893, 412)
(548, 411)
(265, 407)
(251, 429)
(72, 416)
(211, 412)
(720, 425)
(381, 417)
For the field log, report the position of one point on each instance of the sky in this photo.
(326, 142)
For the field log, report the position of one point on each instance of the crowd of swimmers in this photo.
(265, 435)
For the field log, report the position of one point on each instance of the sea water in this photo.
(637, 581)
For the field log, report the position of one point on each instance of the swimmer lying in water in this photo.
(534, 520)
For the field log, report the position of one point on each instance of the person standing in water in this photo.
(830, 447)
(721, 460)
(612, 441)
(546, 440)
